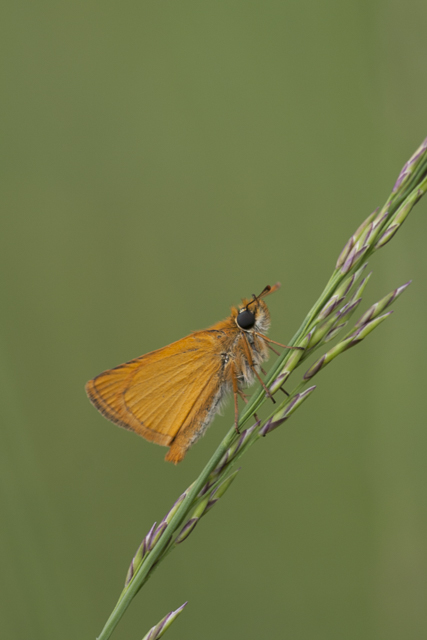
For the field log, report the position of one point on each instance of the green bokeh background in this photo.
(160, 161)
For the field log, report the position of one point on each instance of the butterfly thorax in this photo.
(235, 343)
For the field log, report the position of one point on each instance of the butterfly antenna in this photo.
(252, 301)
(265, 292)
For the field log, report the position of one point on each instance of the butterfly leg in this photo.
(248, 353)
(236, 391)
(271, 349)
(285, 346)
(276, 352)
(243, 396)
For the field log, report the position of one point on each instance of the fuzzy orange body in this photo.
(170, 396)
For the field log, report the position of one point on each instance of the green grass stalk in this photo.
(376, 230)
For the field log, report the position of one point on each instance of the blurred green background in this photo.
(161, 160)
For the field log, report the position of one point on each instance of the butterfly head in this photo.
(253, 313)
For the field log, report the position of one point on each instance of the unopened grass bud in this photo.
(315, 368)
(387, 236)
(170, 514)
(335, 331)
(378, 307)
(365, 224)
(353, 339)
(291, 363)
(360, 289)
(243, 439)
(204, 506)
(140, 554)
(365, 237)
(219, 491)
(222, 464)
(327, 358)
(330, 307)
(344, 253)
(186, 530)
(345, 287)
(294, 403)
(200, 509)
(362, 332)
(327, 328)
(270, 425)
(410, 166)
(349, 282)
(382, 216)
(360, 270)
(353, 258)
(157, 534)
(280, 380)
(348, 310)
(397, 220)
(160, 628)
(322, 329)
(281, 416)
(404, 211)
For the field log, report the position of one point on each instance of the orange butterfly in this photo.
(170, 396)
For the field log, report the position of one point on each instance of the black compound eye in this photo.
(245, 319)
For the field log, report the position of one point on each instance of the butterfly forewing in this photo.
(158, 393)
